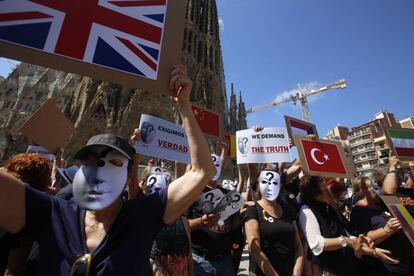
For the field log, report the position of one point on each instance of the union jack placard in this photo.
(123, 35)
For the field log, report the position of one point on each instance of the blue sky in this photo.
(270, 47)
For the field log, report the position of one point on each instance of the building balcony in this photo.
(368, 158)
(356, 152)
(357, 134)
(364, 141)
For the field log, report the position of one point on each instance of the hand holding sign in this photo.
(180, 85)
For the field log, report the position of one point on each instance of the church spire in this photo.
(233, 110)
(242, 114)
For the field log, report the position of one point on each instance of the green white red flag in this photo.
(403, 142)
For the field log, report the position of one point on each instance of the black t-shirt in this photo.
(216, 240)
(59, 228)
(365, 219)
(276, 239)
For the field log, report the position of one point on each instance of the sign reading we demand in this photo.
(267, 146)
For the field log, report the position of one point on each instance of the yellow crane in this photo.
(301, 97)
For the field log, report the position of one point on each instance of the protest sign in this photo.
(322, 157)
(230, 204)
(133, 43)
(401, 141)
(162, 139)
(299, 127)
(267, 146)
(41, 151)
(403, 212)
(48, 127)
(206, 203)
(231, 141)
(208, 120)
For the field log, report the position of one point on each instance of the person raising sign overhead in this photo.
(98, 233)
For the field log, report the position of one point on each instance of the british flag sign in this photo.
(125, 35)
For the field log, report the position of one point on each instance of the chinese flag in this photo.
(323, 157)
(208, 120)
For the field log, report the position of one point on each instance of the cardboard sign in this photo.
(230, 204)
(267, 146)
(41, 151)
(399, 210)
(48, 127)
(162, 139)
(207, 202)
(208, 120)
(299, 127)
(322, 158)
(231, 141)
(133, 43)
(401, 142)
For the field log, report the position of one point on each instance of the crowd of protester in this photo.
(100, 217)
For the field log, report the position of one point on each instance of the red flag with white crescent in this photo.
(323, 157)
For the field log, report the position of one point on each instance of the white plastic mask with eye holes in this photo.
(156, 170)
(98, 185)
(269, 184)
(228, 184)
(217, 165)
(156, 182)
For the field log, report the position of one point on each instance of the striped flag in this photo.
(403, 142)
(299, 127)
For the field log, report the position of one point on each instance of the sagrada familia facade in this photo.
(96, 106)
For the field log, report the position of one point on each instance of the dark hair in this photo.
(31, 168)
(309, 189)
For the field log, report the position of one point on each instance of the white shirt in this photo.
(310, 228)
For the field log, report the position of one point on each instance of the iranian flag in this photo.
(403, 142)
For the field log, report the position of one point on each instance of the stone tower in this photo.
(202, 55)
(96, 106)
(233, 111)
(242, 114)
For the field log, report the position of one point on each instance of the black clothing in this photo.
(213, 241)
(366, 219)
(276, 239)
(341, 262)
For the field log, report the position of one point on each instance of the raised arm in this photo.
(240, 184)
(183, 191)
(293, 171)
(391, 180)
(12, 205)
(133, 183)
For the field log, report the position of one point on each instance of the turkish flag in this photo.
(323, 157)
(209, 121)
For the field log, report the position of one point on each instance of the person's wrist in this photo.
(387, 230)
(343, 241)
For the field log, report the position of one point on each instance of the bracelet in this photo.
(387, 232)
(392, 171)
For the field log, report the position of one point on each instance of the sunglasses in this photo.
(81, 266)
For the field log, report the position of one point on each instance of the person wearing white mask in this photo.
(271, 232)
(211, 236)
(98, 233)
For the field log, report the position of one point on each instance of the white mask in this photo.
(156, 170)
(228, 185)
(269, 184)
(98, 185)
(217, 165)
(156, 182)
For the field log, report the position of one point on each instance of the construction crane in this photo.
(301, 97)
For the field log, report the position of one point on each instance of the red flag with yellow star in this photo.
(209, 121)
